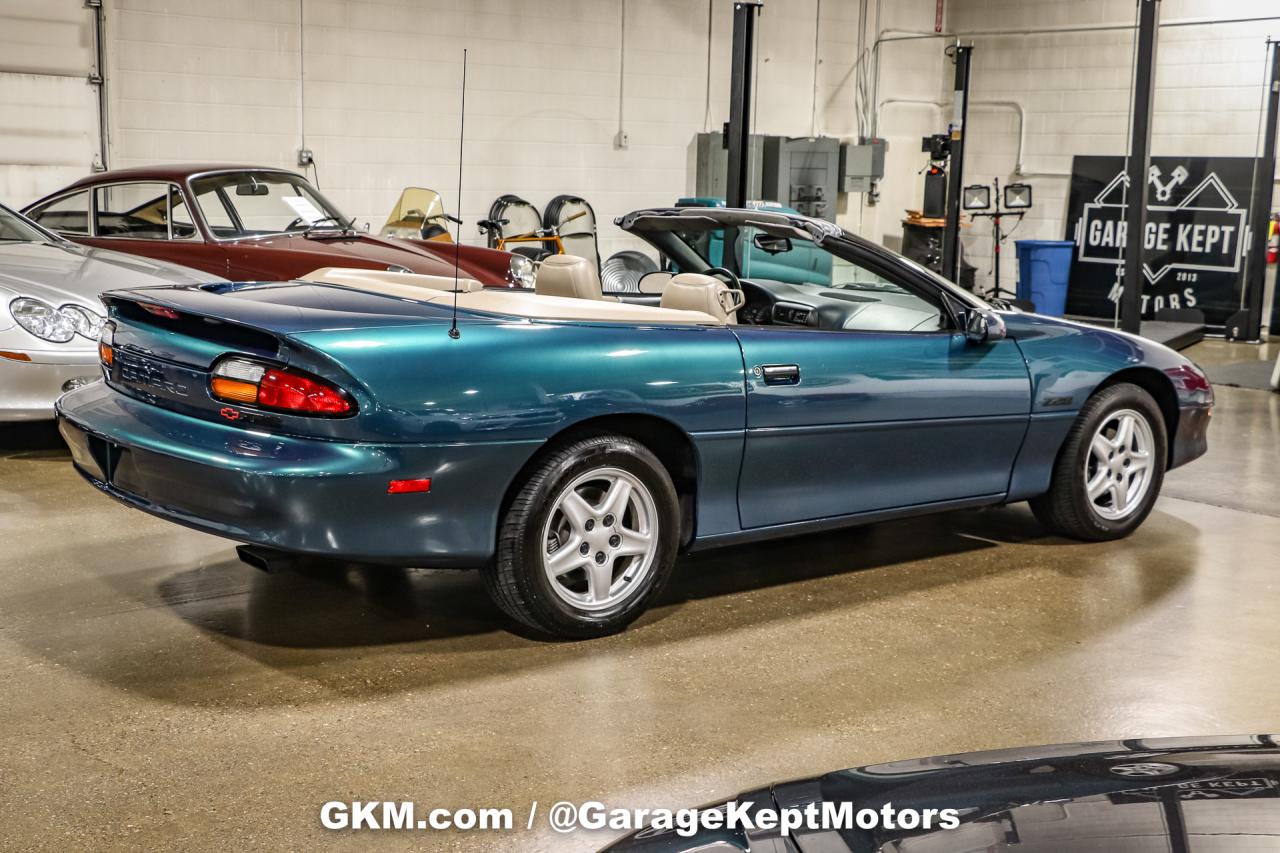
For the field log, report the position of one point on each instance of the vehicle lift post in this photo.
(1139, 165)
(1255, 281)
(738, 132)
(962, 56)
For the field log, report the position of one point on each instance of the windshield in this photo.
(416, 205)
(784, 255)
(259, 204)
(13, 228)
(770, 257)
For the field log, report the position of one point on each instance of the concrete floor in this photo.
(157, 694)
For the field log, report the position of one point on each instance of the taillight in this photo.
(254, 383)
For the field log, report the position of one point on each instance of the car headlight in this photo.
(43, 320)
(86, 323)
(522, 271)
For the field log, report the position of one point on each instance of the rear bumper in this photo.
(302, 496)
(29, 388)
(1191, 440)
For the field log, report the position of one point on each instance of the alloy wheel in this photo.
(600, 539)
(1117, 471)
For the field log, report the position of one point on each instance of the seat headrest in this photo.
(567, 275)
(690, 291)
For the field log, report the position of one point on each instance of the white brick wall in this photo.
(200, 81)
(191, 80)
(48, 110)
(1075, 88)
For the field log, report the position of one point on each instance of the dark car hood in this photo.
(1133, 795)
(1025, 326)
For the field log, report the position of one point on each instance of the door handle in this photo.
(779, 374)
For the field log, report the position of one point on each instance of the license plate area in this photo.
(154, 380)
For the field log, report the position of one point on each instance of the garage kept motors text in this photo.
(1196, 234)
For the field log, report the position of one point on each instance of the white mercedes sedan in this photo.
(50, 314)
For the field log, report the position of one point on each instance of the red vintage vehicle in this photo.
(247, 223)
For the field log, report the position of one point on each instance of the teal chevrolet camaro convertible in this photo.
(570, 445)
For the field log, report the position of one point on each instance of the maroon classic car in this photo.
(246, 223)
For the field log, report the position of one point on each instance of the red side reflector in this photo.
(405, 487)
(158, 310)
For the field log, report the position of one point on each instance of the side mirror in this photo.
(984, 327)
(653, 283)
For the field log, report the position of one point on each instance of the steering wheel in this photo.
(298, 220)
(726, 275)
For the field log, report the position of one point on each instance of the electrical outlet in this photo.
(305, 157)
(621, 140)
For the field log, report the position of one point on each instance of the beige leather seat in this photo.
(696, 292)
(568, 275)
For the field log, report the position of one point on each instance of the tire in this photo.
(612, 564)
(1124, 492)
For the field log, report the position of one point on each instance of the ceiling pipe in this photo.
(890, 34)
(943, 105)
(909, 35)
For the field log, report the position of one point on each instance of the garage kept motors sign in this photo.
(1237, 786)
(1195, 236)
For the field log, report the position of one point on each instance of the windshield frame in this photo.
(43, 235)
(343, 223)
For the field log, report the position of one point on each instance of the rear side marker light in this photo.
(405, 487)
(245, 381)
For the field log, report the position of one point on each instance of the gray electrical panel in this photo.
(711, 165)
(861, 164)
(802, 173)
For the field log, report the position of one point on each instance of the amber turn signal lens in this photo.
(234, 390)
(106, 354)
(15, 356)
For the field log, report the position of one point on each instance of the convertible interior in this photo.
(780, 277)
(568, 288)
(548, 302)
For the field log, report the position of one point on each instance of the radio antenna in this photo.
(457, 227)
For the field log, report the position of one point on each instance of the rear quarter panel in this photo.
(525, 382)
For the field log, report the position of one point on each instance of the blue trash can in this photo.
(1044, 266)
